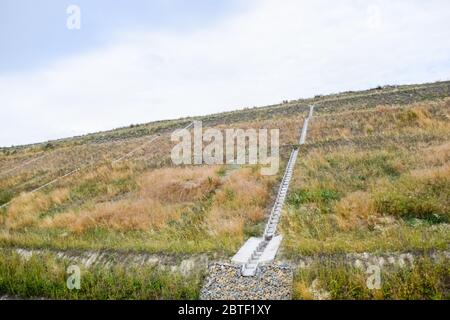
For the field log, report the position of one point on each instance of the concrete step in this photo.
(249, 272)
(252, 265)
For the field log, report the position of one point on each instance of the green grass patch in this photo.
(5, 196)
(322, 197)
(416, 197)
(425, 280)
(306, 231)
(355, 171)
(88, 190)
(45, 276)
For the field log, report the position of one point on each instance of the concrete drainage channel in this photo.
(263, 250)
(252, 275)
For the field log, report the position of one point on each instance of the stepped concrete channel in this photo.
(253, 273)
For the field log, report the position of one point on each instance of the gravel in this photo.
(224, 282)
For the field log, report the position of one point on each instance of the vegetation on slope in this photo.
(426, 279)
(46, 276)
(191, 209)
(373, 194)
(373, 176)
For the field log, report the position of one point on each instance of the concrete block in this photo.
(245, 252)
(271, 250)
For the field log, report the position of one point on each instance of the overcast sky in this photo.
(136, 61)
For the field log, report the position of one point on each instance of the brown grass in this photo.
(289, 127)
(172, 185)
(433, 173)
(385, 119)
(355, 210)
(24, 210)
(437, 155)
(302, 291)
(417, 115)
(162, 195)
(335, 185)
(241, 200)
(142, 214)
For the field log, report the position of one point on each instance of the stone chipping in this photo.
(225, 282)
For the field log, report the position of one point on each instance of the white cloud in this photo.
(374, 20)
(273, 51)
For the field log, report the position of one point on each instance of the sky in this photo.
(137, 61)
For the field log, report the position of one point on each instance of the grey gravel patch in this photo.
(224, 282)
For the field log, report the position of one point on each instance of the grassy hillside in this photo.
(371, 180)
(374, 176)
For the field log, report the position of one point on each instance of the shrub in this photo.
(5, 196)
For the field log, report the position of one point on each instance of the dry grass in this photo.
(355, 210)
(334, 205)
(65, 157)
(25, 210)
(242, 199)
(420, 194)
(437, 155)
(172, 185)
(366, 196)
(102, 183)
(124, 215)
(162, 196)
(193, 207)
(418, 115)
(385, 119)
(301, 291)
(289, 127)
